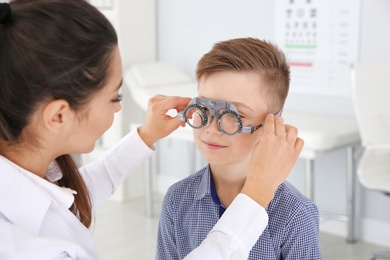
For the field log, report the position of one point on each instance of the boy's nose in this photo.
(212, 126)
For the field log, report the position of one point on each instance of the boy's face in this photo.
(243, 90)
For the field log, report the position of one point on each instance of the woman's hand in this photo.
(272, 160)
(157, 123)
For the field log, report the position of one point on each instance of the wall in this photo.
(188, 29)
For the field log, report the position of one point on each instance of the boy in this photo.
(240, 82)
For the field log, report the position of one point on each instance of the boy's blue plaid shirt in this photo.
(189, 213)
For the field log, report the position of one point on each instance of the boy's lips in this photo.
(213, 146)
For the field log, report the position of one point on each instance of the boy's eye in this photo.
(118, 99)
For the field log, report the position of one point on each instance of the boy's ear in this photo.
(57, 114)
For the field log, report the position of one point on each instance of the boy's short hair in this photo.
(251, 55)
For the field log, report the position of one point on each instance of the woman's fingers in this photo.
(269, 125)
(164, 103)
(280, 129)
(157, 123)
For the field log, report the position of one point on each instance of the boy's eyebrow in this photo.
(238, 105)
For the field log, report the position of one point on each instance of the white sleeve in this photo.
(104, 175)
(235, 233)
(16, 243)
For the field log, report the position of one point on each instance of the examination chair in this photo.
(371, 95)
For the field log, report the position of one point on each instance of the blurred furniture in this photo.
(323, 134)
(146, 80)
(320, 133)
(371, 86)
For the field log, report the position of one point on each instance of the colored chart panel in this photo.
(320, 39)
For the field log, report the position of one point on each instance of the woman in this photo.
(60, 74)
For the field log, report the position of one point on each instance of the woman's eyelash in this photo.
(118, 99)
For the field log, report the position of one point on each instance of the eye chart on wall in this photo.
(320, 39)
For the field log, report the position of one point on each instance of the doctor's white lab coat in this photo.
(35, 221)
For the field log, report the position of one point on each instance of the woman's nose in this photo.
(118, 107)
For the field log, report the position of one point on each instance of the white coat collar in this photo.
(26, 197)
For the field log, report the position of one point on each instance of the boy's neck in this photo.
(228, 181)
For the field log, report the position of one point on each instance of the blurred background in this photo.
(323, 40)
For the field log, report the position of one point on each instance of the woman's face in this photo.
(100, 111)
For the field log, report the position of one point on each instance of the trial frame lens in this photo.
(201, 111)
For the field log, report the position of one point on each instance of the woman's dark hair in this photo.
(53, 49)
